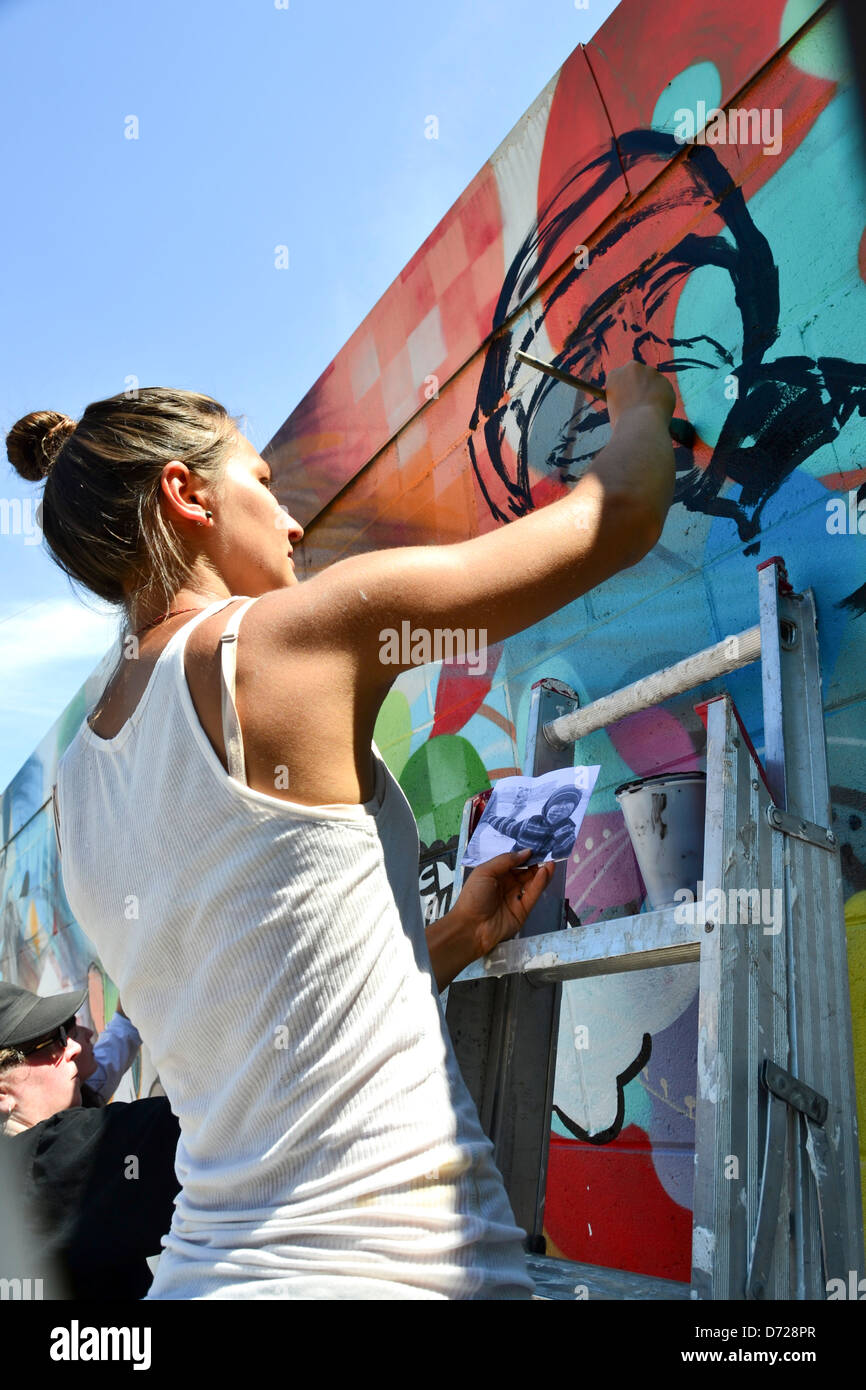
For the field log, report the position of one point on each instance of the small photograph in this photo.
(543, 814)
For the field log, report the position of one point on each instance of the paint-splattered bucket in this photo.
(664, 816)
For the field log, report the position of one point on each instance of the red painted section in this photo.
(641, 48)
(459, 693)
(372, 388)
(573, 143)
(587, 1218)
(844, 482)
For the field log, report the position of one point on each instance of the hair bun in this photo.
(34, 441)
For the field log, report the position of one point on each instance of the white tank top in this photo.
(273, 958)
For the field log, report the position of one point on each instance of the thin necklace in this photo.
(163, 617)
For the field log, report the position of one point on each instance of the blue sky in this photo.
(153, 258)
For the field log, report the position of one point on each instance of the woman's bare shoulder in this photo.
(265, 622)
(289, 686)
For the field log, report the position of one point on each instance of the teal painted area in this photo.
(638, 1110)
(491, 742)
(595, 748)
(823, 50)
(638, 1105)
(699, 82)
(558, 1127)
(795, 15)
(813, 215)
(707, 299)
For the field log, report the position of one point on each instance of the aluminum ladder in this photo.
(775, 1072)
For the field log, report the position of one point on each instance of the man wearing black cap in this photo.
(100, 1064)
(97, 1184)
(38, 1067)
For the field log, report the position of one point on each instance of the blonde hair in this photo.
(101, 515)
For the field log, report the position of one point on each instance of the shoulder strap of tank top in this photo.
(231, 724)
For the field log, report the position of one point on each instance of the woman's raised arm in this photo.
(502, 582)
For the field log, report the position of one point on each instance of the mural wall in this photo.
(734, 262)
(595, 233)
(43, 947)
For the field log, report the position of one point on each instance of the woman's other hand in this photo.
(493, 905)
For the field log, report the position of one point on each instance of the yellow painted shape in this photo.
(855, 930)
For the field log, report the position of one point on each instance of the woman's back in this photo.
(272, 954)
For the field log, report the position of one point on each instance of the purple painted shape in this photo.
(670, 1079)
(654, 740)
(603, 878)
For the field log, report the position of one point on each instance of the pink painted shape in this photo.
(654, 741)
(603, 874)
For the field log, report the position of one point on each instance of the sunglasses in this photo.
(60, 1035)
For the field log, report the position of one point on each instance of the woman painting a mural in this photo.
(246, 865)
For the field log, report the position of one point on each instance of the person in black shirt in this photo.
(96, 1186)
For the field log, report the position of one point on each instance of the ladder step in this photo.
(740, 649)
(643, 941)
(567, 1281)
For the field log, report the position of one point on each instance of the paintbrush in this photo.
(681, 430)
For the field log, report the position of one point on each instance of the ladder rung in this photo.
(740, 649)
(641, 942)
(562, 1280)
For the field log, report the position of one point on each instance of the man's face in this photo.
(44, 1083)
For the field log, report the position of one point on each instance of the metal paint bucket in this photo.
(664, 816)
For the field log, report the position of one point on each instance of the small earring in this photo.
(208, 515)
